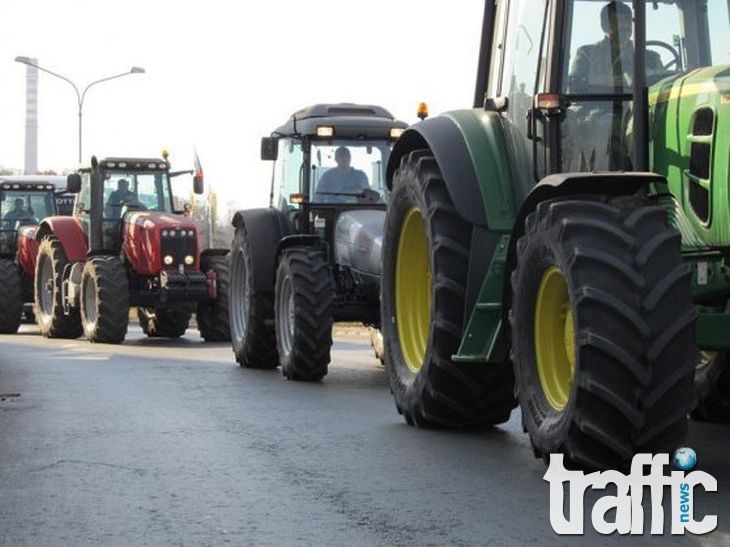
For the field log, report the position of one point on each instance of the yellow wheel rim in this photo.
(413, 290)
(707, 358)
(554, 338)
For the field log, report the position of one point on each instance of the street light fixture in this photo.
(79, 95)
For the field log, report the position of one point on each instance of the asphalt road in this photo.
(169, 442)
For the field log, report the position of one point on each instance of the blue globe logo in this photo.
(685, 458)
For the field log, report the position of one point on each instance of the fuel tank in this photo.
(150, 236)
(358, 242)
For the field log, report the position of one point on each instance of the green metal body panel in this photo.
(484, 137)
(482, 339)
(686, 154)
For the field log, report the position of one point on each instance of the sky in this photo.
(222, 74)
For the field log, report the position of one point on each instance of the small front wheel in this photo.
(303, 313)
(104, 300)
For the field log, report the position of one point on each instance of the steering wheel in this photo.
(369, 196)
(675, 62)
(135, 206)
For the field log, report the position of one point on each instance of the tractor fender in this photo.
(27, 249)
(69, 232)
(299, 240)
(265, 229)
(565, 184)
(213, 252)
(471, 151)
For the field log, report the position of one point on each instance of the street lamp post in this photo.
(79, 95)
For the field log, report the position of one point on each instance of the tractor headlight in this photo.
(168, 260)
(189, 259)
(164, 233)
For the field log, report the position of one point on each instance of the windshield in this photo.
(26, 206)
(343, 172)
(359, 177)
(141, 191)
(681, 35)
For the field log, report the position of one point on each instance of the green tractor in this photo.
(565, 244)
(313, 256)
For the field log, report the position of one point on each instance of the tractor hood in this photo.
(691, 139)
(358, 241)
(156, 241)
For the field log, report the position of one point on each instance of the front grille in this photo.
(178, 246)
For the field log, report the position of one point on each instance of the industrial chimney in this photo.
(31, 120)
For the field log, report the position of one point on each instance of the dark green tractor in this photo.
(313, 256)
(565, 244)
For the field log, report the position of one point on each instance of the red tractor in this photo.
(126, 246)
(24, 200)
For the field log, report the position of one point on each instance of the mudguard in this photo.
(27, 246)
(564, 184)
(265, 229)
(470, 149)
(69, 232)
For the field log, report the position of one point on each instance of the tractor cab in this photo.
(121, 187)
(22, 204)
(329, 158)
(572, 76)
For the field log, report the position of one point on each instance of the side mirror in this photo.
(73, 183)
(198, 185)
(269, 148)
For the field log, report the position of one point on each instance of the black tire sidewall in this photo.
(549, 426)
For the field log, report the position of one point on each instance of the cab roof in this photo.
(357, 121)
(58, 181)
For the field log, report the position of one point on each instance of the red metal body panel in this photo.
(27, 250)
(68, 231)
(142, 240)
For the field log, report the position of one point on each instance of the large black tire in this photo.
(212, 315)
(104, 300)
(303, 303)
(47, 296)
(11, 297)
(251, 312)
(602, 331)
(425, 267)
(712, 387)
(163, 322)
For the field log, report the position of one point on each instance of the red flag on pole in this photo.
(198, 167)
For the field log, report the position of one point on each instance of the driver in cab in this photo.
(607, 65)
(344, 183)
(119, 198)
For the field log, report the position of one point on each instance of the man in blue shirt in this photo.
(342, 184)
(19, 212)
